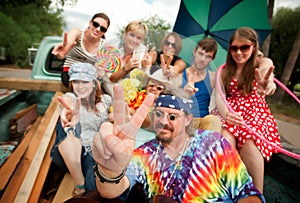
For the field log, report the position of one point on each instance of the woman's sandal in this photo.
(78, 189)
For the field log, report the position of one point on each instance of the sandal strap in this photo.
(81, 187)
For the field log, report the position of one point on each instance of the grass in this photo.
(288, 109)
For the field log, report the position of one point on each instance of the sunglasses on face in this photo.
(160, 114)
(243, 48)
(96, 25)
(158, 87)
(167, 43)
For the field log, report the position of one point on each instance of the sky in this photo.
(121, 12)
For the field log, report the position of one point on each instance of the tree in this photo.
(282, 41)
(289, 66)
(266, 44)
(13, 39)
(157, 29)
(21, 27)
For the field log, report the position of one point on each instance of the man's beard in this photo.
(163, 140)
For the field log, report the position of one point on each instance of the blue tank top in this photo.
(201, 99)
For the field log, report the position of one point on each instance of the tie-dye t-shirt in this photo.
(210, 171)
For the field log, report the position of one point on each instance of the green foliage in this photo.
(14, 40)
(27, 23)
(157, 29)
(297, 87)
(15, 3)
(285, 27)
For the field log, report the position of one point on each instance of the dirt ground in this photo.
(294, 120)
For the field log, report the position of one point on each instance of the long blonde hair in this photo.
(245, 82)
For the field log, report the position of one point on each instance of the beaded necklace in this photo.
(178, 164)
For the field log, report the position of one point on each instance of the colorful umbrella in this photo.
(197, 19)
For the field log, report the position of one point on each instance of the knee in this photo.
(249, 148)
(249, 143)
(229, 136)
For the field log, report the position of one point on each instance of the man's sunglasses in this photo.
(160, 114)
(243, 48)
(96, 25)
(167, 43)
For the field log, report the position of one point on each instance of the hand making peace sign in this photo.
(190, 85)
(114, 144)
(167, 69)
(69, 115)
(62, 49)
(265, 85)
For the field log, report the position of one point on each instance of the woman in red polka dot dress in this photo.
(247, 80)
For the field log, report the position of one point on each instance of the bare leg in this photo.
(230, 137)
(254, 162)
(70, 150)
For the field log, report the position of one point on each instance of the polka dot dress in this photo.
(257, 115)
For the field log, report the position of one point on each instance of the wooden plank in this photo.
(42, 175)
(19, 124)
(65, 190)
(31, 175)
(6, 71)
(20, 172)
(11, 163)
(22, 112)
(30, 84)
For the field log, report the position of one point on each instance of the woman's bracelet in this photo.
(103, 178)
(69, 129)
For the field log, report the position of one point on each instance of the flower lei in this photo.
(134, 94)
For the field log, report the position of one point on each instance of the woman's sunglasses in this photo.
(167, 43)
(158, 87)
(243, 48)
(96, 25)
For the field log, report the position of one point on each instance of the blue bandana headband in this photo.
(173, 102)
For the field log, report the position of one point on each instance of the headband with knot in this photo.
(174, 102)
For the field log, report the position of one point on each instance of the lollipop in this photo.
(109, 58)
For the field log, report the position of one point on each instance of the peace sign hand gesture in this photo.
(114, 143)
(62, 49)
(69, 115)
(266, 86)
(167, 69)
(190, 85)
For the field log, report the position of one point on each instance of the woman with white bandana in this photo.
(74, 135)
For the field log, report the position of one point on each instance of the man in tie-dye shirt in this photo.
(185, 165)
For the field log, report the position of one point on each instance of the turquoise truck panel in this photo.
(46, 65)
